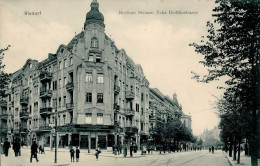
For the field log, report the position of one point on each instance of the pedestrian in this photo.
(142, 149)
(40, 149)
(125, 150)
(34, 148)
(97, 152)
(209, 149)
(131, 150)
(212, 149)
(6, 147)
(120, 148)
(16, 147)
(77, 154)
(72, 152)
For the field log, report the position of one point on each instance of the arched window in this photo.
(94, 42)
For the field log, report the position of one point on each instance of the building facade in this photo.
(94, 90)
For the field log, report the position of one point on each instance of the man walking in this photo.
(6, 147)
(34, 148)
(72, 152)
(77, 154)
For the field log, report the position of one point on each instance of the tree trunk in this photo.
(230, 148)
(235, 149)
(238, 153)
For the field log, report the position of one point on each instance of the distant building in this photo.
(95, 91)
(210, 137)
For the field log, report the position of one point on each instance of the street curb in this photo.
(230, 163)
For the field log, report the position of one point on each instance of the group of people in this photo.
(72, 154)
(211, 149)
(16, 147)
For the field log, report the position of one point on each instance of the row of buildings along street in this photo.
(95, 91)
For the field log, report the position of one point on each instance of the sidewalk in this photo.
(244, 160)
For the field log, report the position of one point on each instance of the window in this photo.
(142, 126)
(90, 58)
(142, 111)
(98, 58)
(65, 63)
(89, 97)
(88, 118)
(60, 85)
(60, 65)
(54, 85)
(94, 42)
(137, 107)
(100, 78)
(100, 98)
(65, 81)
(59, 101)
(36, 90)
(71, 61)
(64, 100)
(35, 108)
(142, 97)
(99, 118)
(54, 103)
(89, 77)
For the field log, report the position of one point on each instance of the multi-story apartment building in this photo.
(95, 91)
(3, 119)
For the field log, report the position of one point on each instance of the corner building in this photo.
(98, 95)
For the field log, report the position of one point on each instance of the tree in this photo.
(231, 50)
(4, 77)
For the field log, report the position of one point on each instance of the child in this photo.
(72, 154)
(77, 154)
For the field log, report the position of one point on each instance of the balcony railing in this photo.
(131, 130)
(129, 95)
(45, 76)
(152, 104)
(152, 117)
(44, 127)
(46, 93)
(3, 115)
(24, 114)
(69, 106)
(3, 103)
(129, 112)
(70, 86)
(45, 110)
(116, 107)
(24, 100)
(116, 89)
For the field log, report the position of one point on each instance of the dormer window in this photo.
(90, 58)
(94, 42)
(98, 58)
(62, 50)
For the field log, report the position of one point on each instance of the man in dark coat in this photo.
(34, 148)
(16, 147)
(6, 147)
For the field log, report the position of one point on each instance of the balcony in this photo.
(12, 103)
(45, 110)
(3, 103)
(3, 115)
(4, 129)
(24, 100)
(45, 76)
(46, 93)
(152, 104)
(24, 115)
(70, 86)
(116, 89)
(129, 112)
(152, 118)
(69, 106)
(44, 127)
(116, 107)
(131, 130)
(24, 129)
(129, 95)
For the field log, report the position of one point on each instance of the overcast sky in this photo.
(159, 42)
